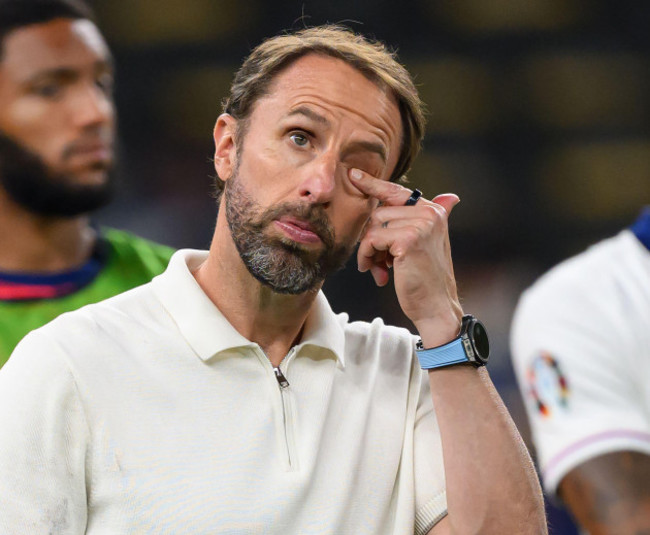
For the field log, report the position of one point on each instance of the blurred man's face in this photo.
(57, 120)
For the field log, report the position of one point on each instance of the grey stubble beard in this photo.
(279, 264)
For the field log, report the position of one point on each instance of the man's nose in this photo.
(320, 180)
(92, 107)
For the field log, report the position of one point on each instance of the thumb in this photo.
(447, 201)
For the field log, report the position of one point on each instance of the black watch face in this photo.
(481, 342)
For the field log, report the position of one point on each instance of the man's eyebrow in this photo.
(70, 73)
(59, 73)
(310, 114)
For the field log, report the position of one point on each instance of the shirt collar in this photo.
(207, 330)
(26, 286)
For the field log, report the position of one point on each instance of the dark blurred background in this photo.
(538, 119)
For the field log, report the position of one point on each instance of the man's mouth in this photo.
(91, 151)
(298, 230)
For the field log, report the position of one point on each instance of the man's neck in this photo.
(274, 321)
(38, 244)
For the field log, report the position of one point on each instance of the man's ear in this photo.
(225, 149)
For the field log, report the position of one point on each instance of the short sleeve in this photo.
(42, 443)
(430, 487)
(574, 349)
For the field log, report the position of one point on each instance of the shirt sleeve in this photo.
(430, 486)
(574, 352)
(42, 443)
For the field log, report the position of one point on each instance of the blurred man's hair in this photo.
(15, 14)
(253, 80)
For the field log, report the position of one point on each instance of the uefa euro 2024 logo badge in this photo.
(547, 386)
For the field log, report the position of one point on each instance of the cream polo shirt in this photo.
(148, 413)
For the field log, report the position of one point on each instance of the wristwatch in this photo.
(471, 345)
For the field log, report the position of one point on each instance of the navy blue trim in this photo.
(77, 277)
(641, 227)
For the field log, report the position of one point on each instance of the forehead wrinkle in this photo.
(303, 86)
(310, 114)
(306, 91)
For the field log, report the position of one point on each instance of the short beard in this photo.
(30, 183)
(282, 265)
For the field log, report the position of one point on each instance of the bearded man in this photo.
(226, 396)
(57, 129)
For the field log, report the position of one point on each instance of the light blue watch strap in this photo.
(451, 353)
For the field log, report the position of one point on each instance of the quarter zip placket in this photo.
(288, 416)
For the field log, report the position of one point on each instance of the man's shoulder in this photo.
(94, 323)
(594, 296)
(92, 341)
(604, 265)
(126, 247)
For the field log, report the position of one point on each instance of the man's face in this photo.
(56, 117)
(293, 210)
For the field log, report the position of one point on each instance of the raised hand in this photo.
(414, 241)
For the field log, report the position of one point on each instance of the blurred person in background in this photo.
(226, 395)
(581, 350)
(57, 130)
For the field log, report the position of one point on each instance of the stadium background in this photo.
(538, 119)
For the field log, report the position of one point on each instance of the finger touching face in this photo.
(389, 193)
(398, 227)
(393, 194)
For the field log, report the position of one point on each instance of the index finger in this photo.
(389, 193)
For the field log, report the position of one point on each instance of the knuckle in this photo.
(437, 216)
(412, 235)
(364, 249)
(429, 225)
(371, 234)
(375, 218)
(423, 232)
(437, 211)
(431, 211)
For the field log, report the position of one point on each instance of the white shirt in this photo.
(581, 350)
(149, 413)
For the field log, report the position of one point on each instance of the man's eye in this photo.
(299, 139)
(105, 83)
(50, 90)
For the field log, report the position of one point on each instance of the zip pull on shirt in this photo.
(282, 380)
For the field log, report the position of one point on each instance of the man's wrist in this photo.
(439, 331)
(471, 345)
